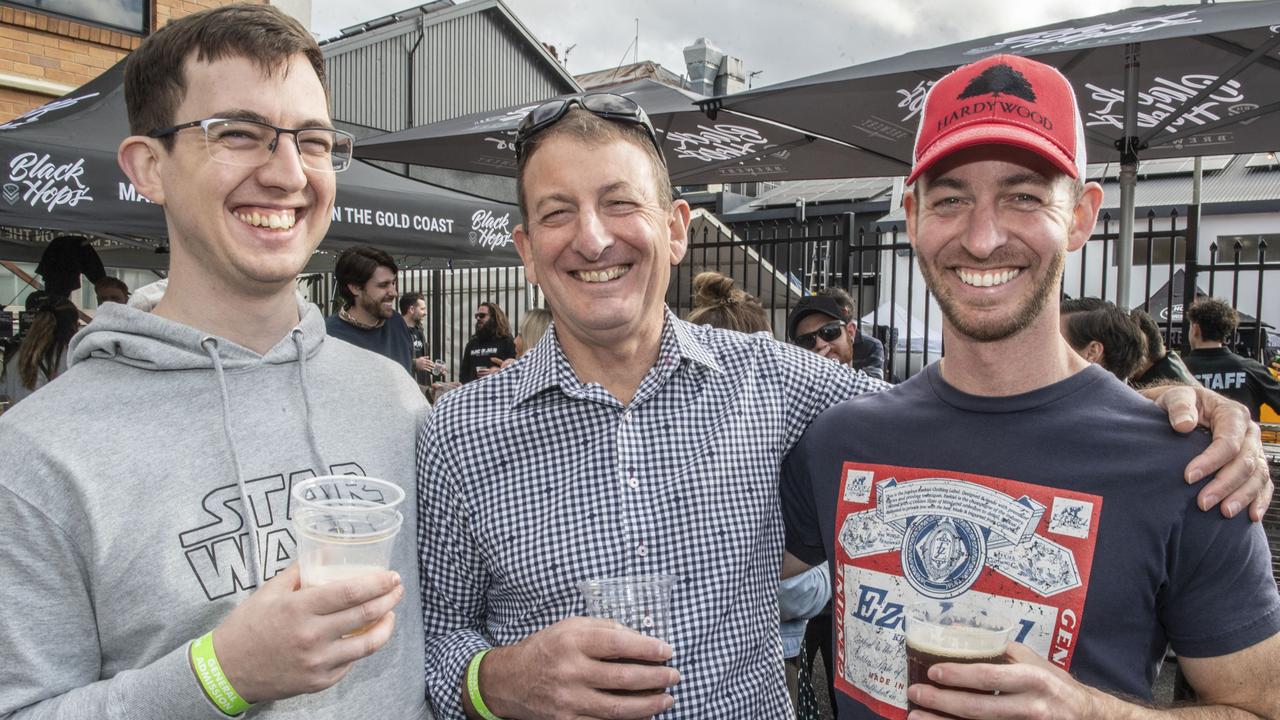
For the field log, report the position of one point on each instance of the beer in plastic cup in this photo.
(640, 602)
(345, 526)
(947, 631)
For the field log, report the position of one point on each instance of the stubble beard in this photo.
(999, 329)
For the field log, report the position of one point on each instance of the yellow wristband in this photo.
(215, 684)
(473, 686)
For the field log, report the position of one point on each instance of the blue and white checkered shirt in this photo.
(530, 482)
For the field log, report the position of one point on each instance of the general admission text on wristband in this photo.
(473, 687)
(215, 683)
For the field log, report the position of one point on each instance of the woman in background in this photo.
(716, 302)
(533, 326)
(41, 354)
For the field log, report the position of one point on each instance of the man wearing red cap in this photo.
(993, 480)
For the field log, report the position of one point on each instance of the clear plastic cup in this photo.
(345, 526)
(640, 602)
(947, 631)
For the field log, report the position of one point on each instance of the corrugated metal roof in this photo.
(647, 69)
(465, 58)
(815, 191)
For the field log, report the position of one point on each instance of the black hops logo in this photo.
(999, 80)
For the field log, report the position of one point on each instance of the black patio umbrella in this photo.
(1160, 82)
(60, 173)
(697, 150)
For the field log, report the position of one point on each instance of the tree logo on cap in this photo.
(999, 80)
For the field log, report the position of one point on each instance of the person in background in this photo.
(826, 323)
(155, 577)
(716, 302)
(111, 289)
(1158, 363)
(491, 344)
(1243, 379)
(63, 262)
(1104, 334)
(533, 326)
(366, 280)
(413, 308)
(41, 354)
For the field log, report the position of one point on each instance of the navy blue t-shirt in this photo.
(390, 339)
(1064, 508)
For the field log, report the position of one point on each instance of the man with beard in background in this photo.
(492, 343)
(366, 280)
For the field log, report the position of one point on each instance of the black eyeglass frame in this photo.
(833, 328)
(271, 147)
(552, 111)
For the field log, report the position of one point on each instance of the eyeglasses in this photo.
(828, 333)
(249, 143)
(605, 105)
(482, 316)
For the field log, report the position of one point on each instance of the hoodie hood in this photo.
(133, 337)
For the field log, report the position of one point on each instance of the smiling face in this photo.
(598, 240)
(991, 227)
(246, 230)
(377, 297)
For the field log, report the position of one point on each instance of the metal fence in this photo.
(780, 261)
(452, 297)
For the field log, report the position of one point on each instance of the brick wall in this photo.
(64, 52)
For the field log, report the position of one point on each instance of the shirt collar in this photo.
(546, 365)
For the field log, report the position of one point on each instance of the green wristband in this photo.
(215, 684)
(473, 686)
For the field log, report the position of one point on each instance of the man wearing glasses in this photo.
(149, 572)
(626, 443)
(825, 323)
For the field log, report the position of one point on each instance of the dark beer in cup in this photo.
(949, 632)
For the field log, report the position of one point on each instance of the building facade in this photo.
(45, 55)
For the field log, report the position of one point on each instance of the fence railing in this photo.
(452, 298)
(781, 261)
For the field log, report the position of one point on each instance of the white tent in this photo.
(907, 327)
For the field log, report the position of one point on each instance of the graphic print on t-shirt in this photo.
(907, 534)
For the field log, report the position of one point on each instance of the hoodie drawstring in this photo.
(210, 346)
(307, 404)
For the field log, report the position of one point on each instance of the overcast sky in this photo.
(783, 39)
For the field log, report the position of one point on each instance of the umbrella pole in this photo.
(1128, 176)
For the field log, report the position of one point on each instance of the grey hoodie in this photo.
(122, 489)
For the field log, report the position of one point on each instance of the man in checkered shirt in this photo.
(627, 442)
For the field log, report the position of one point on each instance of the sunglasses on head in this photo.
(828, 333)
(605, 105)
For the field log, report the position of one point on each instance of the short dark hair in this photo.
(356, 265)
(1216, 318)
(592, 129)
(1150, 332)
(113, 282)
(843, 299)
(1082, 304)
(408, 300)
(1122, 343)
(155, 81)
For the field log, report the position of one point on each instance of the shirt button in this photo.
(632, 482)
(642, 551)
(626, 416)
